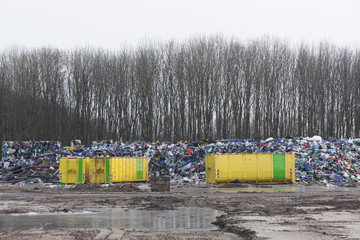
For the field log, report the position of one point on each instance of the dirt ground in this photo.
(255, 213)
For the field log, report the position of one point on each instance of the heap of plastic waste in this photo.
(317, 159)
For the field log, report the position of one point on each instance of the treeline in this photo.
(201, 88)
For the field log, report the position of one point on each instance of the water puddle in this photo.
(179, 219)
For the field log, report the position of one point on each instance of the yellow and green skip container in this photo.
(104, 170)
(252, 168)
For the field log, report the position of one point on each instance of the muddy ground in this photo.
(252, 212)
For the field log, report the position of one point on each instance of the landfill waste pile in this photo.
(31, 161)
(317, 160)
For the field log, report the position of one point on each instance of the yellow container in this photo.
(256, 168)
(117, 169)
(72, 170)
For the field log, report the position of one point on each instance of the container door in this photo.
(72, 170)
(100, 170)
(279, 166)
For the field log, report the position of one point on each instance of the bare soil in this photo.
(249, 215)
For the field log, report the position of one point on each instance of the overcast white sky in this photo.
(112, 23)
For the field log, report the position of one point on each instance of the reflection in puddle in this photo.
(179, 219)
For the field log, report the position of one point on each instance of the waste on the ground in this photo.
(317, 160)
(30, 161)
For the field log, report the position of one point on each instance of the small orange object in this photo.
(189, 151)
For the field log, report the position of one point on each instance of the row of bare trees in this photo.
(201, 88)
